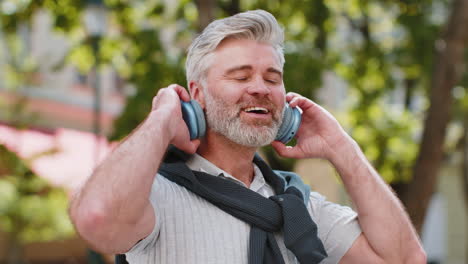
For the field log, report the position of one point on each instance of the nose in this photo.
(258, 87)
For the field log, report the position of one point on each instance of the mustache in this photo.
(233, 111)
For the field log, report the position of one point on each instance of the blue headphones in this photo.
(194, 117)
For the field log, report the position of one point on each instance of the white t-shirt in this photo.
(190, 229)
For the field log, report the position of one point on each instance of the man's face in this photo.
(244, 94)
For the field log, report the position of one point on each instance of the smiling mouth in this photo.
(256, 110)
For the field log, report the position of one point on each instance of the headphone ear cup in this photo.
(286, 122)
(200, 117)
(290, 125)
(190, 118)
(194, 117)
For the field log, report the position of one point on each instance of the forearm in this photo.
(382, 217)
(117, 192)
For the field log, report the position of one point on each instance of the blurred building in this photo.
(61, 114)
(62, 96)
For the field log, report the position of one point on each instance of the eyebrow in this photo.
(248, 67)
(238, 68)
(274, 70)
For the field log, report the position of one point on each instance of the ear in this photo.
(196, 91)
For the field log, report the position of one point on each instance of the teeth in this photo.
(256, 108)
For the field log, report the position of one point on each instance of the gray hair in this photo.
(256, 25)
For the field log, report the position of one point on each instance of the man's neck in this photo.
(234, 159)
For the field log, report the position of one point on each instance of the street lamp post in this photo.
(95, 24)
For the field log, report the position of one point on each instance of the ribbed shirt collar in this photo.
(199, 163)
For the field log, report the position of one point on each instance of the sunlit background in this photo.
(76, 76)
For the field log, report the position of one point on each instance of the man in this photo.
(235, 72)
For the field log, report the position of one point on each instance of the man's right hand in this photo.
(166, 105)
(114, 202)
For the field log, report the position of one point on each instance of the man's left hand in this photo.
(319, 136)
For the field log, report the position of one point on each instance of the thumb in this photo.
(285, 151)
(193, 146)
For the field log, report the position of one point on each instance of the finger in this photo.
(157, 97)
(296, 99)
(191, 147)
(291, 95)
(300, 101)
(181, 92)
(153, 103)
(304, 103)
(285, 151)
(194, 145)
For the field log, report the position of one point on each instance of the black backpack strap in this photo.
(120, 259)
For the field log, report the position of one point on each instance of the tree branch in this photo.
(447, 73)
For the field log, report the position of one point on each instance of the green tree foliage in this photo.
(382, 50)
(31, 210)
(379, 48)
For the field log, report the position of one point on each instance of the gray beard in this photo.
(225, 120)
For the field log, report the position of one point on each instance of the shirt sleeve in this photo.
(337, 225)
(152, 238)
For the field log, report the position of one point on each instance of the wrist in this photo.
(158, 123)
(352, 166)
(345, 153)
